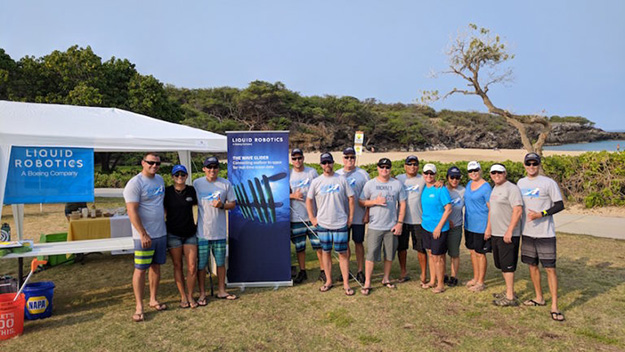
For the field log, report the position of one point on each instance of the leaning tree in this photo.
(480, 58)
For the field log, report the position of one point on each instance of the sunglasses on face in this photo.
(454, 177)
(349, 157)
(473, 170)
(180, 174)
(327, 162)
(412, 164)
(429, 173)
(496, 172)
(151, 163)
(384, 167)
(297, 158)
(212, 167)
(531, 163)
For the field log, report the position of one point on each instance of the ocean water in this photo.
(610, 146)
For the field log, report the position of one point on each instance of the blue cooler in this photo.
(38, 300)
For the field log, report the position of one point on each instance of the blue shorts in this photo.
(204, 248)
(357, 233)
(174, 241)
(156, 254)
(339, 238)
(299, 231)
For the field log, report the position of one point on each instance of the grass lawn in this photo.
(93, 304)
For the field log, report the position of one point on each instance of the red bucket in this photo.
(11, 315)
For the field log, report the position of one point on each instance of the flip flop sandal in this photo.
(138, 317)
(477, 288)
(532, 303)
(437, 290)
(426, 286)
(202, 302)
(193, 304)
(159, 306)
(403, 279)
(389, 285)
(349, 292)
(366, 291)
(556, 316)
(325, 288)
(229, 297)
(470, 283)
(184, 305)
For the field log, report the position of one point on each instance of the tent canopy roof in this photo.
(104, 129)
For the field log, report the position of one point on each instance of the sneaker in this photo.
(504, 302)
(446, 279)
(322, 276)
(452, 282)
(301, 276)
(293, 271)
(502, 294)
(360, 277)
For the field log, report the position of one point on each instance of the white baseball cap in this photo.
(498, 167)
(429, 167)
(473, 165)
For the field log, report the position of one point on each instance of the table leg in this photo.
(20, 272)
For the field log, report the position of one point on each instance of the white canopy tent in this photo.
(103, 129)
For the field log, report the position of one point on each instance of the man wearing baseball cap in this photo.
(332, 217)
(300, 178)
(386, 199)
(504, 220)
(215, 196)
(413, 186)
(356, 177)
(542, 199)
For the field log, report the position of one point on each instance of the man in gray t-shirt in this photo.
(386, 199)
(334, 214)
(542, 199)
(506, 206)
(356, 177)
(300, 178)
(144, 196)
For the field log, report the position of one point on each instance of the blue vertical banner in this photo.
(259, 227)
(49, 175)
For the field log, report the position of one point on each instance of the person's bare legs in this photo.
(368, 272)
(439, 264)
(176, 259)
(552, 280)
(360, 255)
(221, 281)
(476, 269)
(190, 253)
(301, 260)
(535, 276)
(344, 267)
(423, 264)
(402, 257)
(154, 278)
(320, 258)
(509, 279)
(387, 271)
(481, 264)
(455, 265)
(138, 285)
(432, 282)
(201, 283)
(327, 266)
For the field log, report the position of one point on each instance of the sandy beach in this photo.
(446, 156)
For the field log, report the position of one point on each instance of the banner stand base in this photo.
(274, 284)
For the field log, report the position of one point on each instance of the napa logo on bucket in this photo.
(37, 305)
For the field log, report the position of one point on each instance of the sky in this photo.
(568, 54)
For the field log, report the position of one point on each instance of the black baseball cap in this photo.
(532, 157)
(412, 158)
(211, 160)
(385, 161)
(296, 151)
(326, 157)
(453, 171)
(349, 151)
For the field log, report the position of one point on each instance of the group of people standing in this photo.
(332, 207)
(162, 219)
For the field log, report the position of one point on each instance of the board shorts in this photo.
(155, 254)
(299, 232)
(543, 250)
(506, 255)
(414, 232)
(204, 247)
(337, 238)
(378, 240)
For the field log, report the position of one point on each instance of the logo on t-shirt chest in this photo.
(327, 189)
(412, 189)
(531, 192)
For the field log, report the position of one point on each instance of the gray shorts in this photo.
(453, 241)
(543, 250)
(376, 239)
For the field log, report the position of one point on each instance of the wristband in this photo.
(544, 213)
(400, 222)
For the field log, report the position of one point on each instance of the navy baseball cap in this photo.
(212, 160)
(178, 168)
(453, 171)
(532, 157)
(412, 158)
(326, 157)
(349, 151)
(296, 151)
(385, 161)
